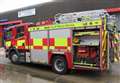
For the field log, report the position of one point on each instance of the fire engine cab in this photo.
(76, 40)
(4, 25)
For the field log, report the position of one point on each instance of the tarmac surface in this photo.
(9, 75)
(35, 73)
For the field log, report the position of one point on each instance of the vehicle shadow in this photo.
(73, 72)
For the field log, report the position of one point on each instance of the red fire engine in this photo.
(82, 42)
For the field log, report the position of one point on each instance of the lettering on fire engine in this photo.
(68, 25)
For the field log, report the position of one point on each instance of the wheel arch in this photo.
(12, 49)
(67, 57)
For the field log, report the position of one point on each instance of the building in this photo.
(48, 10)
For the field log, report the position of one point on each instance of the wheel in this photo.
(59, 65)
(14, 57)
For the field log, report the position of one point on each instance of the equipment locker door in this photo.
(39, 48)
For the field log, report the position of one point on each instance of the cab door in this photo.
(20, 38)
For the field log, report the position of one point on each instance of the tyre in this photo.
(14, 57)
(59, 64)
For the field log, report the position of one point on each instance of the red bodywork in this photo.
(24, 37)
(5, 25)
(113, 10)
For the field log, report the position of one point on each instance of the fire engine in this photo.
(79, 40)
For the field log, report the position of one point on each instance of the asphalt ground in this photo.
(74, 76)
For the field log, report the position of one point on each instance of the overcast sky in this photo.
(7, 5)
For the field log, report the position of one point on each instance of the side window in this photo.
(19, 32)
(8, 34)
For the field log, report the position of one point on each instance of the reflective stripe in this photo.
(31, 47)
(38, 47)
(87, 33)
(56, 43)
(69, 48)
(20, 42)
(104, 41)
(60, 47)
(115, 60)
(16, 46)
(105, 23)
(8, 43)
(37, 42)
(21, 47)
(40, 44)
(52, 47)
(26, 47)
(61, 42)
(85, 64)
(67, 25)
(45, 47)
